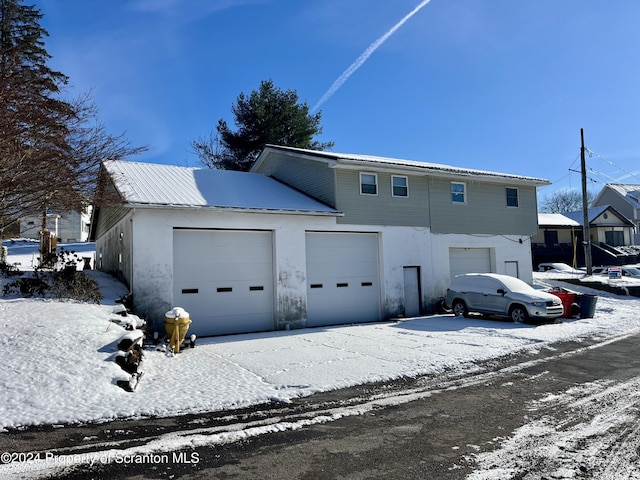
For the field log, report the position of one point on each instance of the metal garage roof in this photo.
(148, 184)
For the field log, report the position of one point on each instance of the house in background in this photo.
(560, 236)
(307, 238)
(68, 227)
(556, 240)
(625, 198)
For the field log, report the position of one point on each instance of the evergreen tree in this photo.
(50, 148)
(267, 116)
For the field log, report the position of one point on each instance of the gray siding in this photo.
(108, 217)
(113, 250)
(313, 178)
(609, 197)
(485, 211)
(383, 208)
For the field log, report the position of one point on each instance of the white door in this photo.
(469, 260)
(343, 283)
(224, 279)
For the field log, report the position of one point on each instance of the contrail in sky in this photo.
(365, 56)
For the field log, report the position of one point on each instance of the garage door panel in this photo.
(469, 260)
(204, 272)
(227, 279)
(335, 269)
(342, 274)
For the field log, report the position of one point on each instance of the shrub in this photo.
(75, 285)
(9, 270)
(58, 277)
(29, 287)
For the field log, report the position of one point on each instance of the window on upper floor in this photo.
(512, 197)
(458, 193)
(368, 184)
(399, 186)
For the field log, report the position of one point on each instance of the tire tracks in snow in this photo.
(227, 427)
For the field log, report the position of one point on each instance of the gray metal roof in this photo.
(148, 184)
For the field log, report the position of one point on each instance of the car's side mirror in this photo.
(501, 291)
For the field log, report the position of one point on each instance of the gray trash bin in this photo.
(587, 304)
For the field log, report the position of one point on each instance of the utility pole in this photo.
(586, 233)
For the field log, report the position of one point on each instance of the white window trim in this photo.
(406, 186)
(375, 175)
(517, 197)
(464, 193)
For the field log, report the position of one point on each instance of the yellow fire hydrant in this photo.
(177, 325)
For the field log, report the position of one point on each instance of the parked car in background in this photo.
(502, 295)
(626, 271)
(560, 268)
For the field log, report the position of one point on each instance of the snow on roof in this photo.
(169, 185)
(556, 220)
(630, 192)
(426, 167)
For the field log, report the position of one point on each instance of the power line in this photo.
(591, 154)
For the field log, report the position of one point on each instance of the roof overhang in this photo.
(391, 165)
(155, 206)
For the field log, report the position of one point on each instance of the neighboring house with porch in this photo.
(307, 238)
(625, 198)
(559, 238)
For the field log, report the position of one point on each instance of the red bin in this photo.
(569, 306)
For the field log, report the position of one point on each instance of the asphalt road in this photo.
(415, 429)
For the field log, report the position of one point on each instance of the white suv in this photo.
(503, 295)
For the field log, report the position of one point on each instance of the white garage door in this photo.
(342, 278)
(224, 279)
(469, 260)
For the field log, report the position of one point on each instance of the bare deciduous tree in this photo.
(561, 201)
(50, 148)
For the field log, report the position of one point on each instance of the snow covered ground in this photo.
(58, 362)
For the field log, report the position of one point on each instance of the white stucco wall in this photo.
(505, 248)
(152, 285)
(406, 246)
(152, 257)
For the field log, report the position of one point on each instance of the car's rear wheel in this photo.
(519, 314)
(460, 309)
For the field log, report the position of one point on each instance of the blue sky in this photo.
(499, 85)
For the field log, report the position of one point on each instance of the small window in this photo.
(512, 197)
(368, 184)
(399, 186)
(551, 237)
(458, 192)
